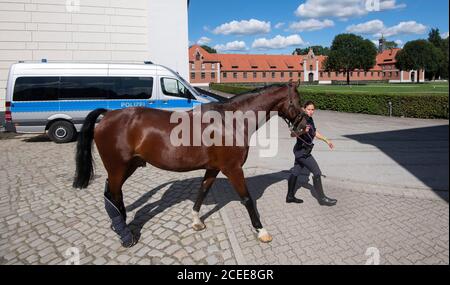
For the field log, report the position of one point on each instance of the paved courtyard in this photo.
(390, 176)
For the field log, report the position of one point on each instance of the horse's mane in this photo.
(241, 96)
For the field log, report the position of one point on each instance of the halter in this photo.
(293, 126)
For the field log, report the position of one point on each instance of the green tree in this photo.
(419, 55)
(209, 49)
(390, 45)
(318, 50)
(349, 52)
(434, 37)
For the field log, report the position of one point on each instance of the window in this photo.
(224, 75)
(245, 75)
(129, 87)
(36, 89)
(203, 75)
(254, 75)
(82, 88)
(173, 87)
(213, 75)
(337, 73)
(311, 67)
(192, 75)
(264, 74)
(273, 74)
(329, 74)
(359, 74)
(235, 75)
(213, 66)
(299, 74)
(203, 66)
(321, 74)
(291, 74)
(88, 88)
(197, 56)
(282, 74)
(193, 66)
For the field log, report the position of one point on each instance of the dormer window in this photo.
(197, 56)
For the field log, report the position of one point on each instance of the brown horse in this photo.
(129, 138)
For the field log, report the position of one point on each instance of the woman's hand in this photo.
(331, 145)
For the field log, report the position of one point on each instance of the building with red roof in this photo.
(208, 68)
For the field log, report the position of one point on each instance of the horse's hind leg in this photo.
(236, 177)
(114, 203)
(208, 180)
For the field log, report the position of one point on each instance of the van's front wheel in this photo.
(61, 132)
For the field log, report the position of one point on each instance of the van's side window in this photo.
(173, 87)
(84, 88)
(132, 88)
(36, 89)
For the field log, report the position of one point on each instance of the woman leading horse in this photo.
(129, 138)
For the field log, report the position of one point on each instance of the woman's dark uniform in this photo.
(303, 158)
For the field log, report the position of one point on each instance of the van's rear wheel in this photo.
(61, 132)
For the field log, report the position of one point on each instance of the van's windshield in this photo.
(185, 83)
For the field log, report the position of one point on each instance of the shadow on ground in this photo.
(177, 194)
(422, 151)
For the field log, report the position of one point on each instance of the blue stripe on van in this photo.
(56, 106)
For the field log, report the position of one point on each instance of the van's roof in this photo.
(92, 68)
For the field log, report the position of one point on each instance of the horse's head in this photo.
(292, 111)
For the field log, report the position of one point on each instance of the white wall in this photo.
(169, 34)
(93, 30)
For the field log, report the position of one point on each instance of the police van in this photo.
(56, 97)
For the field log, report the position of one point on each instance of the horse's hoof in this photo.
(198, 227)
(264, 236)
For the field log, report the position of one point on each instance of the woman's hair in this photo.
(307, 103)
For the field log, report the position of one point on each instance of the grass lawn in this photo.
(400, 89)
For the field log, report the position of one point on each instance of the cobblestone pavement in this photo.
(42, 217)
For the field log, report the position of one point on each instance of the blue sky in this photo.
(278, 27)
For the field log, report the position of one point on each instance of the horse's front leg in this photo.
(236, 177)
(208, 180)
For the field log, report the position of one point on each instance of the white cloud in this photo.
(445, 35)
(232, 46)
(344, 8)
(310, 25)
(279, 25)
(404, 28)
(244, 27)
(399, 43)
(278, 42)
(368, 28)
(377, 28)
(203, 41)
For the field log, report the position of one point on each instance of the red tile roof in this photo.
(249, 62)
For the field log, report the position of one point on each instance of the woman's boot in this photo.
(290, 198)
(323, 200)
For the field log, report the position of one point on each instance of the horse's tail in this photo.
(84, 168)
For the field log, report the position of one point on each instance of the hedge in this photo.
(425, 106)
